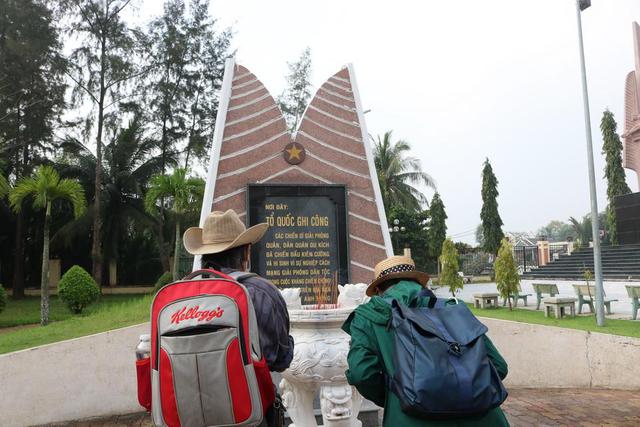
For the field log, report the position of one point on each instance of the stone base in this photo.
(370, 418)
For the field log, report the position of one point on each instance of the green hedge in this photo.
(3, 298)
(78, 289)
(163, 280)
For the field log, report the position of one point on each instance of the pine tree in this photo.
(491, 221)
(181, 89)
(210, 50)
(437, 225)
(102, 65)
(449, 275)
(613, 171)
(295, 98)
(31, 102)
(507, 278)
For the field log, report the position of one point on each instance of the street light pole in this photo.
(595, 227)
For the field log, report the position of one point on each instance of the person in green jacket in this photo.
(370, 356)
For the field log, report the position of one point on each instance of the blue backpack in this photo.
(442, 367)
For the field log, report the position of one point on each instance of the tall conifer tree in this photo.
(491, 221)
(437, 226)
(188, 56)
(102, 65)
(613, 171)
(31, 101)
(295, 98)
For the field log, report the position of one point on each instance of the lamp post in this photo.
(595, 227)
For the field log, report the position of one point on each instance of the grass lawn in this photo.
(628, 328)
(111, 312)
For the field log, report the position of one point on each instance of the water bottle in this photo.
(143, 350)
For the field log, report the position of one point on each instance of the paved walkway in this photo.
(525, 408)
(573, 407)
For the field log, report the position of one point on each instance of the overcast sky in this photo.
(461, 81)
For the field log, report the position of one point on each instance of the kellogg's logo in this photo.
(195, 313)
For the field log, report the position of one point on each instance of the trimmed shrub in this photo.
(163, 280)
(78, 289)
(3, 298)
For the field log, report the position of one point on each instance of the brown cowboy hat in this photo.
(221, 231)
(396, 267)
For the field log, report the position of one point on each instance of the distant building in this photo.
(521, 239)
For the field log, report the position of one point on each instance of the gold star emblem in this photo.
(294, 152)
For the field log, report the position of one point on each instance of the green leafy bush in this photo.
(507, 279)
(3, 298)
(78, 289)
(449, 272)
(163, 280)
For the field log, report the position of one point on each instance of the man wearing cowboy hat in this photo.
(225, 245)
(372, 344)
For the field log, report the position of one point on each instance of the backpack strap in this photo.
(203, 273)
(241, 276)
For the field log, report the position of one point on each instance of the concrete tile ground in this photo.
(573, 407)
(524, 408)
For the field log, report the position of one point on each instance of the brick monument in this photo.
(317, 186)
(631, 135)
(628, 206)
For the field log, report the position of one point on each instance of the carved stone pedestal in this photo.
(319, 365)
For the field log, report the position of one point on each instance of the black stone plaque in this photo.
(628, 218)
(306, 244)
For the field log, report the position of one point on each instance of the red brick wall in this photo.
(255, 135)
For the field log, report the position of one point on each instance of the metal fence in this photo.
(526, 258)
(555, 250)
(476, 263)
(185, 265)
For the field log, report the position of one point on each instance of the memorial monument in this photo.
(631, 135)
(319, 180)
(628, 206)
(318, 190)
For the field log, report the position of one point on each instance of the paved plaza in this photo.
(621, 309)
(524, 408)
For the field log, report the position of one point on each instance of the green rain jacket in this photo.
(371, 358)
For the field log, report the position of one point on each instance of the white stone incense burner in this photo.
(320, 361)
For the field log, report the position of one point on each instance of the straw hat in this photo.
(396, 267)
(221, 231)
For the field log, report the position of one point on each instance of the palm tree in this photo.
(582, 229)
(4, 186)
(45, 187)
(183, 193)
(127, 168)
(397, 173)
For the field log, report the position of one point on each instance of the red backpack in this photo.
(207, 368)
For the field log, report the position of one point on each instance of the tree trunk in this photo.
(164, 257)
(18, 262)
(44, 284)
(96, 249)
(191, 130)
(176, 252)
(163, 148)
